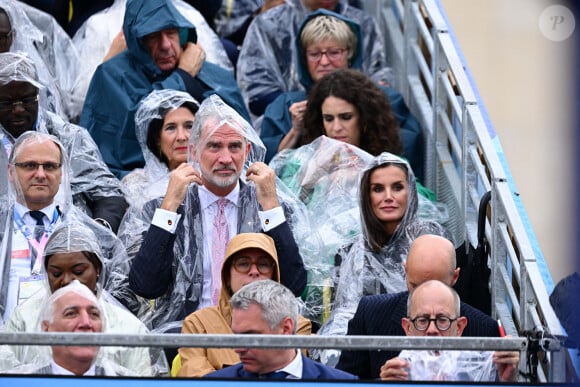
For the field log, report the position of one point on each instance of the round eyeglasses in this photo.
(442, 323)
(243, 265)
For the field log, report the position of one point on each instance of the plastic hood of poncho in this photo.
(52, 51)
(365, 272)
(63, 198)
(412, 197)
(74, 236)
(151, 182)
(17, 66)
(212, 115)
(456, 366)
(183, 294)
(302, 65)
(94, 37)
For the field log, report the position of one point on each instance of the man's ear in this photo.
(10, 177)
(248, 149)
(287, 326)
(406, 324)
(45, 326)
(455, 276)
(461, 324)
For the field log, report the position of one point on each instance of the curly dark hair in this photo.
(379, 127)
(154, 130)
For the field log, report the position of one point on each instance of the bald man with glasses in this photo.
(433, 309)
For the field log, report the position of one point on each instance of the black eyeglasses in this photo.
(244, 264)
(4, 38)
(25, 102)
(33, 166)
(442, 323)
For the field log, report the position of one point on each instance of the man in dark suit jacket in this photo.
(430, 257)
(175, 262)
(267, 307)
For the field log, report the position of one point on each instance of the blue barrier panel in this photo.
(63, 381)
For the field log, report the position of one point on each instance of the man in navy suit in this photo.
(267, 307)
(430, 257)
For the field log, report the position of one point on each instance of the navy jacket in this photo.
(380, 315)
(310, 370)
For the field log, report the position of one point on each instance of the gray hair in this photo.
(49, 309)
(456, 300)
(329, 27)
(275, 300)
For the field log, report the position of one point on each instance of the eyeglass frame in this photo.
(8, 105)
(320, 53)
(7, 36)
(252, 263)
(434, 320)
(32, 166)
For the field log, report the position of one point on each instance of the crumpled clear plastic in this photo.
(52, 50)
(77, 232)
(37, 359)
(462, 366)
(358, 271)
(94, 37)
(233, 14)
(142, 185)
(167, 311)
(90, 178)
(267, 61)
(325, 175)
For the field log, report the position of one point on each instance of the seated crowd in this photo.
(248, 170)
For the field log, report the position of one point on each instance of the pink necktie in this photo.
(219, 242)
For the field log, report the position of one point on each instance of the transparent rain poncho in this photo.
(12, 193)
(325, 175)
(361, 271)
(151, 182)
(52, 50)
(268, 58)
(90, 178)
(78, 233)
(94, 38)
(184, 291)
(457, 366)
(232, 15)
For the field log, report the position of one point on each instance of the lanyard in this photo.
(40, 245)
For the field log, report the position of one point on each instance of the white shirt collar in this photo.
(58, 370)
(294, 368)
(23, 210)
(207, 198)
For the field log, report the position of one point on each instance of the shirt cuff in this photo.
(271, 218)
(166, 220)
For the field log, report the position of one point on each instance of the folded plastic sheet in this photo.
(458, 366)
